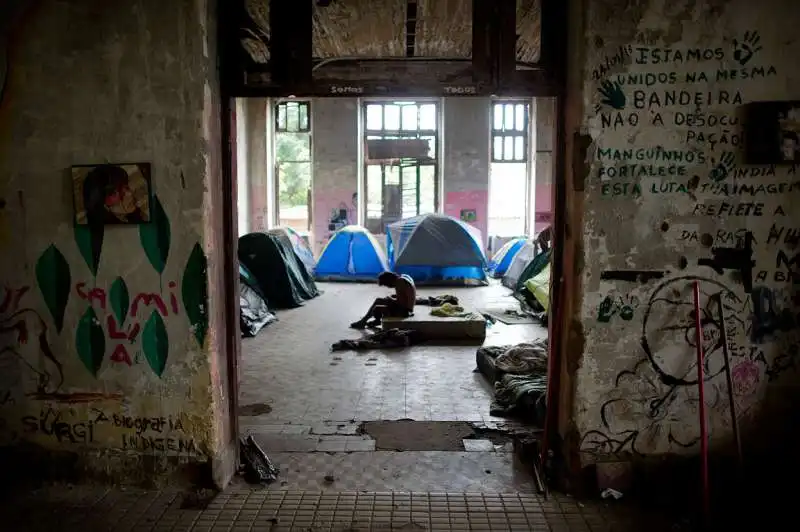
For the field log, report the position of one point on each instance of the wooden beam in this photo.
(290, 41)
(482, 63)
(553, 47)
(505, 41)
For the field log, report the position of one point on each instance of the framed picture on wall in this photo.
(109, 194)
(772, 132)
(469, 215)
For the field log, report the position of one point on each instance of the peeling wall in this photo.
(666, 195)
(465, 177)
(105, 333)
(335, 139)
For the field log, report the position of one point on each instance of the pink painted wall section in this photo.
(544, 207)
(477, 200)
(327, 205)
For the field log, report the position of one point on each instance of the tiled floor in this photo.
(331, 477)
(289, 365)
(240, 510)
(425, 471)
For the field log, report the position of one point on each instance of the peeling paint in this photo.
(648, 65)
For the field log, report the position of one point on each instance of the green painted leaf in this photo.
(53, 278)
(90, 341)
(90, 243)
(155, 236)
(155, 343)
(194, 292)
(120, 299)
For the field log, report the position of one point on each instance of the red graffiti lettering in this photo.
(113, 329)
(99, 295)
(79, 289)
(133, 332)
(147, 300)
(121, 355)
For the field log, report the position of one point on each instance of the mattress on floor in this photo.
(472, 327)
(485, 360)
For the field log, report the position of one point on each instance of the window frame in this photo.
(276, 165)
(285, 104)
(418, 133)
(526, 133)
(513, 132)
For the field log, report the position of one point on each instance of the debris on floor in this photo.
(609, 493)
(255, 409)
(437, 301)
(256, 465)
(519, 376)
(380, 340)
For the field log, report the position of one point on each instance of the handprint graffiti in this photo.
(611, 307)
(744, 50)
(612, 95)
(723, 167)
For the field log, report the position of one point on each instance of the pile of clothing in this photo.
(392, 338)
(519, 376)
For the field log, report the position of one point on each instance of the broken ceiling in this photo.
(391, 29)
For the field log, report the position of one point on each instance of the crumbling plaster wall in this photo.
(335, 138)
(110, 350)
(657, 92)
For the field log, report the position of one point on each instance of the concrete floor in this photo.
(289, 366)
(318, 398)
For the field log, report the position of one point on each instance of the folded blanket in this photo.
(380, 340)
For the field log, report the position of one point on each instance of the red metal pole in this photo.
(701, 398)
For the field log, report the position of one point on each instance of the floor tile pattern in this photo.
(289, 365)
(402, 471)
(256, 510)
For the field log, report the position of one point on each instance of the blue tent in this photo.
(352, 254)
(437, 249)
(499, 264)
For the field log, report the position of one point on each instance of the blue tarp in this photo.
(499, 264)
(437, 249)
(352, 254)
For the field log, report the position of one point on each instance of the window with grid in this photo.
(510, 132)
(400, 185)
(293, 117)
(293, 164)
(508, 173)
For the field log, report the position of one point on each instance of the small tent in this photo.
(539, 287)
(351, 254)
(501, 260)
(298, 243)
(523, 257)
(280, 275)
(254, 313)
(437, 249)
